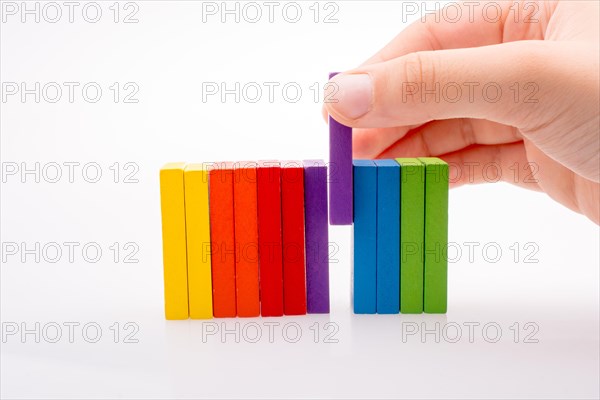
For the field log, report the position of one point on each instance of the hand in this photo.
(521, 93)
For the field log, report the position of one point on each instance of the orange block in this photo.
(246, 239)
(222, 239)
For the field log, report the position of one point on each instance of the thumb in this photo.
(501, 83)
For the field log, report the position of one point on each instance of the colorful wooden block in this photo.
(364, 278)
(317, 236)
(436, 235)
(222, 239)
(269, 238)
(292, 212)
(388, 237)
(340, 172)
(174, 245)
(199, 274)
(412, 227)
(246, 238)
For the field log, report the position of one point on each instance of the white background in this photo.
(168, 54)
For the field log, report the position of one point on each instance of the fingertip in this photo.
(351, 97)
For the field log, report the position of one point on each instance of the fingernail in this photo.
(353, 96)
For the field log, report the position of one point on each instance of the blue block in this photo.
(365, 237)
(388, 237)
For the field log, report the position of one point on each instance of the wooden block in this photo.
(436, 235)
(172, 200)
(364, 277)
(269, 238)
(222, 239)
(388, 237)
(412, 227)
(292, 213)
(340, 172)
(197, 222)
(317, 236)
(246, 238)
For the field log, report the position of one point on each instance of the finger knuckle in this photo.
(419, 76)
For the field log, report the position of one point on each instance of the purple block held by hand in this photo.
(316, 237)
(340, 170)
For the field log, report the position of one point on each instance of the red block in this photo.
(269, 238)
(292, 212)
(222, 240)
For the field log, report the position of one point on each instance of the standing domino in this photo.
(317, 236)
(174, 246)
(365, 237)
(246, 239)
(198, 241)
(269, 238)
(412, 227)
(222, 240)
(436, 235)
(388, 236)
(292, 211)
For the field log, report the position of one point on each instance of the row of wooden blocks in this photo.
(400, 236)
(245, 239)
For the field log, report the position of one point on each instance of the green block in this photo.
(412, 231)
(436, 236)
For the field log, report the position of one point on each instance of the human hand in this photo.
(521, 93)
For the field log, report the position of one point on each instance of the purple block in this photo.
(340, 172)
(316, 236)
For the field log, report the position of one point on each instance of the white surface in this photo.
(168, 54)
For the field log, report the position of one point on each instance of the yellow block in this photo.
(198, 241)
(172, 202)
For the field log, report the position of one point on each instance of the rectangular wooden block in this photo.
(317, 236)
(292, 212)
(172, 200)
(388, 237)
(245, 196)
(412, 228)
(269, 238)
(436, 235)
(197, 221)
(222, 239)
(364, 284)
(340, 172)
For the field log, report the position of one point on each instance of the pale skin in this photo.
(545, 124)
